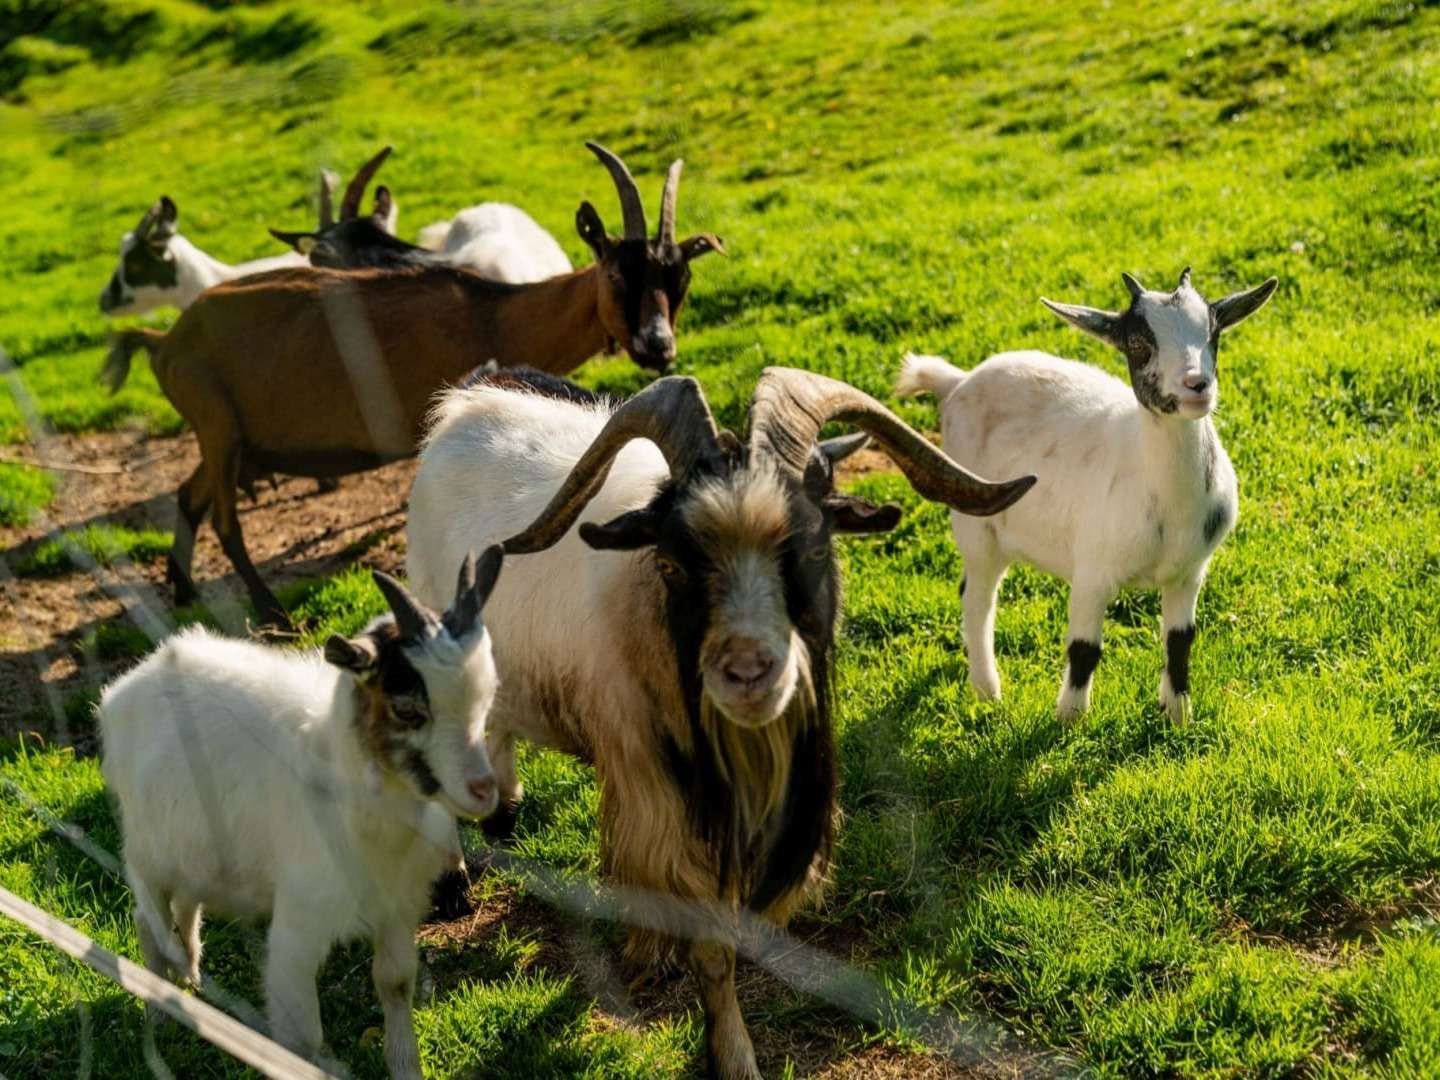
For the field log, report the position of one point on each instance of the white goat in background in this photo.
(1134, 487)
(159, 267)
(318, 790)
(498, 241)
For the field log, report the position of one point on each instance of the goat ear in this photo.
(695, 246)
(1104, 325)
(838, 449)
(169, 213)
(384, 213)
(637, 529)
(356, 655)
(1237, 307)
(415, 621)
(303, 242)
(856, 515)
(592, 229)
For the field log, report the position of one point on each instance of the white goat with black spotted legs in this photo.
(317, 789)
(1134, 487)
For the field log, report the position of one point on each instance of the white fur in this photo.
(1121, 495)
(243, 788)
(195, 271)
(500, 242)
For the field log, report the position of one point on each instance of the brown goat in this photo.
(317, 372)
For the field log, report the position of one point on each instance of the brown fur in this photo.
(256, 367)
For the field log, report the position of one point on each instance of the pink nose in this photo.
(482, 790)
(747, 663)
(1197, 384)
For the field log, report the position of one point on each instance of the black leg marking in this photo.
(450, 895)
(1214, 522)
(500, 825)
(1084, 658)
(963, 579)
(1177, 657)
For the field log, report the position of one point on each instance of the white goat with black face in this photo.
(316, 789)
(159, 267)
(1134, 489)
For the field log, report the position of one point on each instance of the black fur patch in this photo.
(535, 382)
(1084, 658)
(1136, 339)
(1215, 521)
(420, 771)
(1211, 460)
(145, 265)
(1177, 657)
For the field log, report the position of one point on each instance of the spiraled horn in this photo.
(670, 412)
(790, 407)
(355, 190)
(630, 205)
(666, 235)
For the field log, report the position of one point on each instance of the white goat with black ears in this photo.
(1134, 488)
(318, 790)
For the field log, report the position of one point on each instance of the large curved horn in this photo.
(329, 181)
(355, 190)
(666, 235)
(670, 412)
(630, 205)
(790, 407)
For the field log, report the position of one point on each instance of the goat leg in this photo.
(729, 1054)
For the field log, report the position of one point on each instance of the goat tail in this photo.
(123, 344)
(932, 374)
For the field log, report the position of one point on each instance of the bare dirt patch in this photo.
(293, 533)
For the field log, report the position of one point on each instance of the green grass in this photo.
(1244, 896)
(105, 544)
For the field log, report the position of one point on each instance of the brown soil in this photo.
(292, 532)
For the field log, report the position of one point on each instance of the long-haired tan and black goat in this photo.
(681, 639)
(322, 373)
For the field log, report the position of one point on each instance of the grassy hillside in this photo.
(1249, 895)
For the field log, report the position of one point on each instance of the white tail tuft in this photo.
(935, 374)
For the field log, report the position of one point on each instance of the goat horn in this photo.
(670, 412)
(355, 191)
(630, 205)
(667, 203)
(1184, 279)
(329, 181)
(1134, 286)
(415, 621)
(790, 407)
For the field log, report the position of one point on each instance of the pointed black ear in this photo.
(384, 207)
(303, 242)
(165, 220)
(1237, 307)
(1104, 325)
(488, 572)
(592, 229)
(637, 529)
(853, 514)
(695, 246)
(356, 655)
(415, 621)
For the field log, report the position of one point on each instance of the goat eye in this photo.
(667, 568)
(818, 554)
(409, 716)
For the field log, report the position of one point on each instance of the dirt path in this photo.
(292, 531)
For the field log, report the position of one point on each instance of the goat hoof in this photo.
(1178, 709)
(450, 896)
(326, 483)
(185, 593)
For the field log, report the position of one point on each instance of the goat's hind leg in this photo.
(223, 455)
(192, 501)
(979, 590)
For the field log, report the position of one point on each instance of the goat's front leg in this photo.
(1177, 618)
(394, 974)
(295, 950)
(729, 1054)
(1088, 601)
(450, 892)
